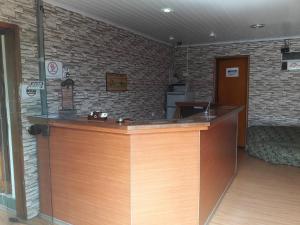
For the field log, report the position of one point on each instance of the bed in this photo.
(275, 144)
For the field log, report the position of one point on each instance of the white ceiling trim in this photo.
(58, 4)
(241, 41)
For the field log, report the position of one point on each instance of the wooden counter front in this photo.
(166, 174)
(218, 164)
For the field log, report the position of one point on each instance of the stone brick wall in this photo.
(90, 49)
(22, 13)
(274, 95)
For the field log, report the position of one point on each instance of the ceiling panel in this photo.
(193, 20)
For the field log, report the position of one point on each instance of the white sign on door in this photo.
(232, 72)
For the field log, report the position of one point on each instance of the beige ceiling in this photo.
(193, 20)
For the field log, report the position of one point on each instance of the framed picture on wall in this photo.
(116, 82)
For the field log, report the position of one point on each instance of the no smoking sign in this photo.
(54, 69)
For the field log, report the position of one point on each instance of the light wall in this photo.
(91, 48)
(274, 95)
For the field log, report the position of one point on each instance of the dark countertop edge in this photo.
(180, 124)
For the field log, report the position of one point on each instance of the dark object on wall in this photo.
(179, 86)
(285, 50)
(284, 66)
(68, 83)
(34, 130)
(116, 82)
(291, 56)
(288, 58)
(286, 47)
(67, 87)
(38, 129)
(179, 43)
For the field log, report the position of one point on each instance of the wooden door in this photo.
(232, 89)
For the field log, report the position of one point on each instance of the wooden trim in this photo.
(4, 25)
(217, 59)
(174, 128)
(5, 176)
(12, 39)
(232, 57)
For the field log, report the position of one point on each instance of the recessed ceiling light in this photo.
(167, 10)
(212, 34)
(171, 38)
(259, 25)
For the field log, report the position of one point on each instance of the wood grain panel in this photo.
(218, 163)
(148, 178)
(44, 175)
(234, 90)
(165, 178)
(90, 177)
(262, 194)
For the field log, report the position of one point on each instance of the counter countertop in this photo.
(196, 122)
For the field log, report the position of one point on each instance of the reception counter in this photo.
(136, 173)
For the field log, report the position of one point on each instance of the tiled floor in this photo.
(261, 194)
